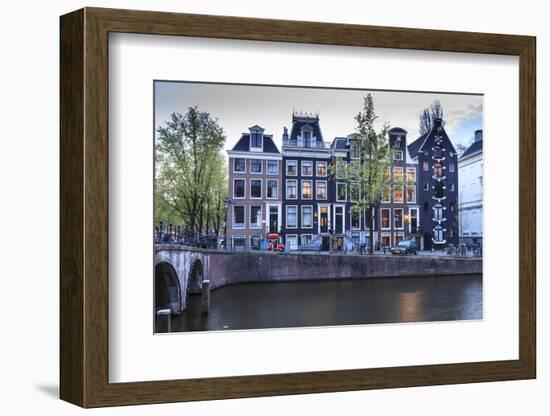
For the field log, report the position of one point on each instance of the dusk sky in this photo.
(238, 107)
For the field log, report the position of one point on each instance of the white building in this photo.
(470, 197)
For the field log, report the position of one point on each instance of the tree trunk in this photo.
(371, 233)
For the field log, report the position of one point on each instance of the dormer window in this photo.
(256, 140)
(306, 136)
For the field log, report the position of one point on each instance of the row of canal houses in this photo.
(292, 195)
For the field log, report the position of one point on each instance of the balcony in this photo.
(306, 144)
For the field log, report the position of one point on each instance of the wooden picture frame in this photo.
(84, 207)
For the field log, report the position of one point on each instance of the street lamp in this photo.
(226, 203)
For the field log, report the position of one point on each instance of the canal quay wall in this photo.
(246, 267)
(221, 268)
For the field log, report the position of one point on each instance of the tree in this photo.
(368, 177)
(428, 115)
(190, 177)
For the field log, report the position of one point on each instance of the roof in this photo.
(299, 122)
(415, 146)
(476, 147)
(243, 145)
(397, 130)
(339, 143)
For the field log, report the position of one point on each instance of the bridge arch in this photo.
(167, 288)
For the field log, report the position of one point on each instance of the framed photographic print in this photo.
(255, 207)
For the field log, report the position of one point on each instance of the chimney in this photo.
(285, 134)
(478, 136)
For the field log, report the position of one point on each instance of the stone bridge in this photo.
(180, 270)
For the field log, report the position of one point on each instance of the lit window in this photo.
(321, 168)
(398, 194)
(411, 194)
(411, 175)
(398, 174)
(321, 192)
(438, 170)
(307, 191)
(385, 218)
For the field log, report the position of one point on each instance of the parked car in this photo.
(404, 247)
(315, 244)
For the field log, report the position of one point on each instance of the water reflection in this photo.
(336, 302)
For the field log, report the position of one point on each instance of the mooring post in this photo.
(205, 293)
(167, 314)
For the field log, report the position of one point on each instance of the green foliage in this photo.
(368, 175)
(190, 171)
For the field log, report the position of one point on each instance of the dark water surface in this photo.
(335, 302)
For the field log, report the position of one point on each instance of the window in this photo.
(306, 135)
(355, 151)
(451, 167)
(255, 217)
(292, 241)
(411, 175)
(398, 174)
(438, 233)
(307, 216)
(238, 216)
(272, 167)
(255, 188)
(438, 170)
(413, 221)
(239, 242)
(340, 170)
(321, 192)
(385, 218)
(256, 139)
(338, 219)
(306, 238)
(321, 168)
(291, 167)
(307, 189)
(411, 194)
(452, 187)
(398, 155)
(425, 166)
(355, 217)
(356, 238)
(307, 168)
(255, 166)
(239, 165)
(385, 240)
(426, 186)
(292, 189)
(438, 188)
(438, 152)
(398, 218)
(397, 238)
(398, 194)
(238, 188)
(291, 216)
(255, 242)
(438, 212)
(341, 192)
(272, 189)
(354, 192)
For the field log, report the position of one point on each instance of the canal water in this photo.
(335, 302)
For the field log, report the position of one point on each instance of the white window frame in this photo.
(345, 193)
(276, 164)
(402, 194)
(238, 171)
(351, 220)
(286, 189)
(321, 162)
(343, 214)
(389, 219)
(398, 234)
(410, 185)
(296, 247)
(352, 148)
(398, 152)
(302, 216)
(302, 167)
(256, 148)
(250, 224)
(417, 210)
(326, 191)
(358, 185)
(393, 220)
(261, 167)
(261, 188)
(302, 189)
(286, 217)
(329, 219)
(302, 238)
(238, 236)
(287, 164)
(398, 169)
(233, 217)
(386, 234)
(267, 187)
(410, 169)
(234, 188)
